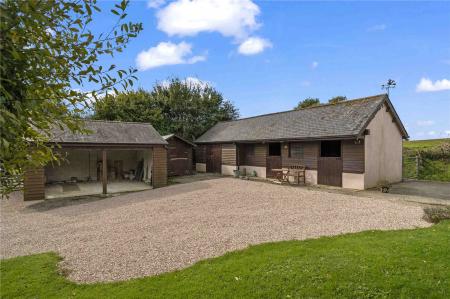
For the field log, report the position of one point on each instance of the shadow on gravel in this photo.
(98, 203)
(50, 204)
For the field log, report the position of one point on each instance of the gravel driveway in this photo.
(156, 231)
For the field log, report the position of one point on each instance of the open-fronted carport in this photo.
(113, 157)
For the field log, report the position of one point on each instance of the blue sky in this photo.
(265, 56)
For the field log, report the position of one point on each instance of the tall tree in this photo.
(184, 107)
(337, 99)
(308, 102)
(48, 55)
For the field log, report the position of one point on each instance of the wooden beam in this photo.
(104, 171)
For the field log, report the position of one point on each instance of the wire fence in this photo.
(426, 168)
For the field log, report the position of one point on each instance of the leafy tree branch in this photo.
(48, 54)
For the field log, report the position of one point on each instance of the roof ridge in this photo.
(117, 121)
(312, 107)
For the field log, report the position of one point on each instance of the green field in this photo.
(434, 169)
(424, 144)
(372, 264)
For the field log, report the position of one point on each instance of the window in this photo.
(296, 150)
(274, 149)
(330, 148)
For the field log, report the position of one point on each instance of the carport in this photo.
(113, 157)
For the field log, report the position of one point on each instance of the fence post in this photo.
(417, 166)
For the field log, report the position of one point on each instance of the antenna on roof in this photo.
(388, 85)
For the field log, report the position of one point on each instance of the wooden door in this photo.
(273, 162)
(214, 158)
(329, 171)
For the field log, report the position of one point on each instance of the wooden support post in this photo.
(104, 171)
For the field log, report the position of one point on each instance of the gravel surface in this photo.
(156, 231)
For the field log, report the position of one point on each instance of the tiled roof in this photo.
(344, 119)
(167, 137)
(111, 132)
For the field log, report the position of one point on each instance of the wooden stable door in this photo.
(273, 160)
(329, 171)
(329, 165)
(214, 158)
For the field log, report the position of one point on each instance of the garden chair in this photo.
(297, 172)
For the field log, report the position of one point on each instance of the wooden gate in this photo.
(214, 158)
(329, 171)
(273, 162)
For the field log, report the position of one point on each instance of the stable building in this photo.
(179, 155)
(353, 144)
(113, 157)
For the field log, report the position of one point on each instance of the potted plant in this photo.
(384, 186)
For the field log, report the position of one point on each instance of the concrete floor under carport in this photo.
(64, 190)
(80, 172)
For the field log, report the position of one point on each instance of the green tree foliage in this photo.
(337, 99)
(308, 102)
(177, 106)
(48, 55)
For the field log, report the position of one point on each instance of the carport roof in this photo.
(111, 132)
(346, 119)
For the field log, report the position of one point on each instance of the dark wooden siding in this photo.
(179, 157)
(310, 155)
(34, 184)
(353, 156)
(229, 154)
(214, 158)
(253, 154)
(200, 154)
(159, 166)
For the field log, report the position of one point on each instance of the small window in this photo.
(274, 149)
(330, 148)
(296, 150)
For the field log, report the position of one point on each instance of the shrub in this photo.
(436, 214)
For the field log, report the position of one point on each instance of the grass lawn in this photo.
(396, 264)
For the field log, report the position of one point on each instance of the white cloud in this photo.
(378, 27)
(305, 83)
(155, 3)
(314, 65)
(197, 82)
(447, 132)
(193, 81)
(426, 85)
(234, 18)
(424, 123)
(167, 53)
(50, 31)
(254, 45)
(431, 133)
